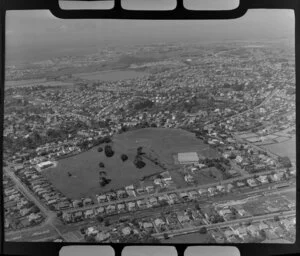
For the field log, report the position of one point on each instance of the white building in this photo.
(43, 165)
(188, 158)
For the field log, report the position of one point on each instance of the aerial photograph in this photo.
(150, 131)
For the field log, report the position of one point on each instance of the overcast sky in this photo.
(27, 32)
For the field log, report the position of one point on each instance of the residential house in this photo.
(90, 231)
(147, 225)
(87, 201)
(251, 182)
(131, 206)
(102, 236)
(121, 207)
(110, 209)
(159, 222)
(193, 194)
(211, 190)
(126, 231)
(183, 195)
(263, 179)
(183, 218)
(99, 210)
(153, 201)
(141, 204)
(101, 198)
(89, 213)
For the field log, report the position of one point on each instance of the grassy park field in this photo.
(84, 168)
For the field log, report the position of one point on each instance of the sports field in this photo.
(286, 148)
(165, 143)
(84, 168)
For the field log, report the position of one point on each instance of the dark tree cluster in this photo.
(146, 103)
(106, 139)
(104, 181)
(108, 151)
(138, 162)
(124, 157)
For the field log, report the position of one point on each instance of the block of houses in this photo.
(76, 203)
(202, 191)
(89, 213)
(121, 194)
(101, 198)
(87, 201)
(229, 234)
(188, 178)
(270, 234)
(67, 217)
(131, 193)
(158, 182)
(78, 215)
(183, 218)
(183, 195)
(240, 184)
(166, 176)
(110, 208)
(130, 187)
(220, 188)
(153, 201)
(91, 231)
(131, 206)
(121, 207)
(99, 210)
(159, 222)
(163, 198)
(150, 189)
(263, 179)
(102, 236)
(253, 230)
(251, 182)
(24, 212)
(211, 190)
(141, 203)
(111, 196)
(218, 237)
(173, 197)
(263, 226)
(126, 231)
(241, 232)
(140, 191)
(147, 225)
(34, 217)
(193, 194)
(229, 187)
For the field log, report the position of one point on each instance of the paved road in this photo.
(27, 192)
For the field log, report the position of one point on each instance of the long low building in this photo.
(188, 158)
(43, 165)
